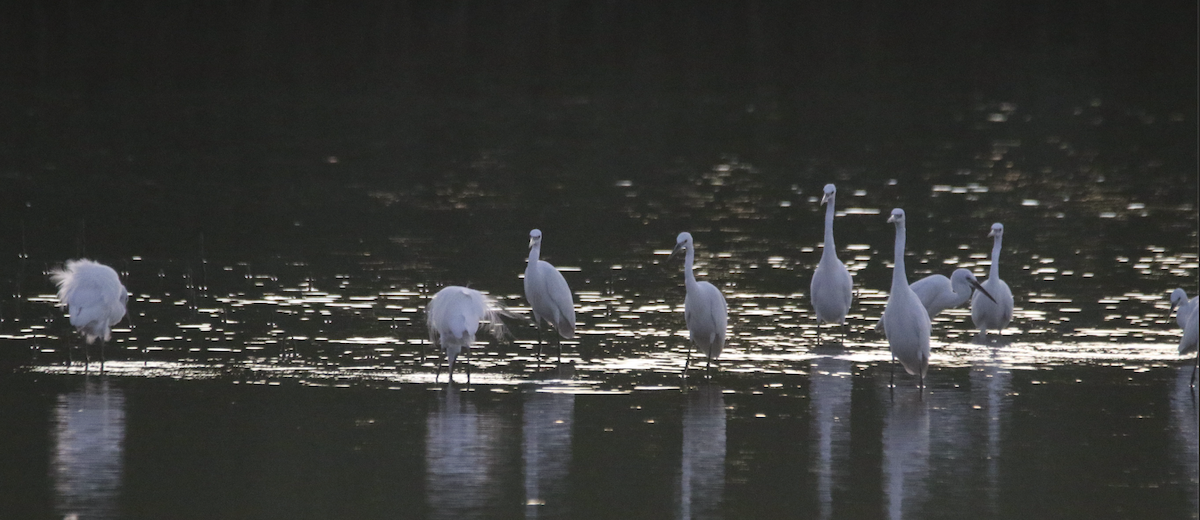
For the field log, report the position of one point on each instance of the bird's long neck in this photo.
(899, 279)
(534, 253)
(689, 278)
(830, 249)
(994, 271)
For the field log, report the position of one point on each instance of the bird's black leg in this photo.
(1192, 381)
(686, 361)
(892, 376)
(708, 367)
(438, 373)
(102, 358)
(467, 363)
(537, 323)
(559, 341)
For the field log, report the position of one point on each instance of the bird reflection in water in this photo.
(990, 384)
(905, 452)
(831, 385)
(1184, 419)
(462, 458)
(702, 471)
(89, 439)
(546, 448)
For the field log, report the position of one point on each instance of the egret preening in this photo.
(453, 316)
(938, 293)
(831, 286)
(997, 310)
(1188, 317)
(548, 295)
(905, 321)
(704, 307)
(93, 296)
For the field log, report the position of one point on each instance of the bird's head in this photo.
(997, 230)
(1178, 296)
(965, 275)
(897, 217)
(682, 243)
(535, 238)
(830, 191)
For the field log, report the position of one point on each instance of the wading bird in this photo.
(905, 321)
(1180, 301)
(704, 307)
(938, 293)
(1188, 317)
(94, 297)
(548, 294)
(831, 283)
(453, 316)
(996, 310)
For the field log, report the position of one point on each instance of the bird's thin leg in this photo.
(102, 358)
(467, 363)
(708, 367)
(686, 361)
(559, 341)
(845, 325)
(1192, 380)
(892, 376)
(818, 332)
(438, 373)
(537, 323)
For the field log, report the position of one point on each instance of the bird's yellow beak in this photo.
(892, 219)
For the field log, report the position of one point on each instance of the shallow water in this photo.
(276, 362)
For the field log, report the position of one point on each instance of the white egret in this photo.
(997, 310)
(905, 321)
(831, 286)
(1188, 317)
(94, 297)
(454, 315)
(938, 293)
(548, 295)
(704, 307)
(1180, 301)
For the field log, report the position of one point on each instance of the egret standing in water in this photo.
(1188, 317)
(94, 297)
(704, 307)
(938, 293)
(453, 316)
(905, 320)
(1180, 300)
(831, 286)
(548, 294)
(997, 310)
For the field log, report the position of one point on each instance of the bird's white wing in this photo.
(558, 297)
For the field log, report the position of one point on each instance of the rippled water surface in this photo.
(276, 363)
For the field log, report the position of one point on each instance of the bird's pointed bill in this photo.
(981, 289)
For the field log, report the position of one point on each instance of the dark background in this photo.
(148, 124)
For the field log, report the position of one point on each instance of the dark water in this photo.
(281, 218)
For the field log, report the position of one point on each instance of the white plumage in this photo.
(93, 295)
(906, 322)
(831, 287)
(938, 293)
(548, 294)
(704, 307)
(453, 317)
(1188, 317)
(995, 312)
